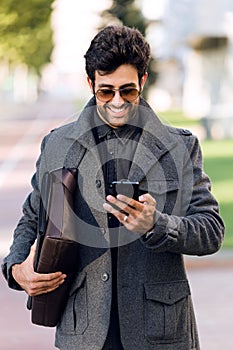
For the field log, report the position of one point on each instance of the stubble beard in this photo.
(117, 115)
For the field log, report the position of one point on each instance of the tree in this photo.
(25, 32)
(128, 13)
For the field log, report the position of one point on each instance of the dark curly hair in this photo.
(116, 45)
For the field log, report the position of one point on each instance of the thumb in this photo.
(32, 254)
(147, 199)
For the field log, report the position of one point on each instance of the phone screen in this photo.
(127, 188)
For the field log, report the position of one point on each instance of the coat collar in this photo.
(155, 141)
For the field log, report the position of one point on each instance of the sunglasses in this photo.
(128, 94)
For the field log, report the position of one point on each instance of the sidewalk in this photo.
(211, 280)
(22, 128)
(212, 291)
(16, 330)
(223, 259)
(44, 107)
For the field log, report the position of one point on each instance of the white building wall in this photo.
(206, 76)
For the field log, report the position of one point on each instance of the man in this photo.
(131, 291)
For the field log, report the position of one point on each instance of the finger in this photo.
(44, 288)
(147, 199)
(111, 209)
(33, 249)
(122, 206)
(32, 254)
(47, 277)
(132, 204)
(130, 201)
(51, 284)
(118, 214)
(41, 285)
(53, 288)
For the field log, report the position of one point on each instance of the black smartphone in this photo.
(127, 188)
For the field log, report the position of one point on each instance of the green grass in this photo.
(177, 118)
(218, 164)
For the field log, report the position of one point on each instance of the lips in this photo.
(117, 110)
(115, 115)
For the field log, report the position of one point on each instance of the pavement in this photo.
(21, 131)
(212, 290)
(22, 128)
(211, 280)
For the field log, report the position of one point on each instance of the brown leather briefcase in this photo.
(57, 249)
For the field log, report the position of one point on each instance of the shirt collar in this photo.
(123, 133)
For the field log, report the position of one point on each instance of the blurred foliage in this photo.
(128, 13)
(25, 32)
(208, 43)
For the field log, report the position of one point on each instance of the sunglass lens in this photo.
(105, 94)
(129, 94)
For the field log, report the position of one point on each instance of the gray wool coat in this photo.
(154, 297)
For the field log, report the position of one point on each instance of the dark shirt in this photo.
(116, 150)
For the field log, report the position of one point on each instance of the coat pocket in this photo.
(75, 317)
(166, 311)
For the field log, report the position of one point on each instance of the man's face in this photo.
(119, 109)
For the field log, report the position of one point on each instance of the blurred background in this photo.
(190, 85)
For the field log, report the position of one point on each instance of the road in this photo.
(21, 131)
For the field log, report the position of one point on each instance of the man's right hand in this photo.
(35, 283)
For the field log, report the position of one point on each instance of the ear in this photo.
(143, 80)
(90, 85)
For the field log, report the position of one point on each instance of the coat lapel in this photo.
(82, 135)
(155, 141)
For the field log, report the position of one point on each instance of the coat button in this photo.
(186, 132)
(98, 183)
(104, 276)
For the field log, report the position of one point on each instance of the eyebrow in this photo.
(112, 86)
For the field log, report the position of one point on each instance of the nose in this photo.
(117, 99)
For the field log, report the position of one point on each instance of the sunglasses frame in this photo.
(120, 91)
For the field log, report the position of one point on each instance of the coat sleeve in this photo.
(26, 231)
(200, 231)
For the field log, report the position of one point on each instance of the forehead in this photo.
(124, 74)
